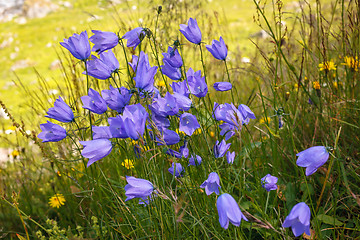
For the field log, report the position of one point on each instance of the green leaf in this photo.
(329, 220)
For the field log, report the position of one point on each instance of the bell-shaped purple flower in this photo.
(170, 137)
(230, 157)
(212, 184)
(218, 49)
(269, 182)
(197, 84)
(61, 111)
(221, 148)
(299, 219)
(51, 132)
(103, 67)
(117, 98)
(312, 158)
(181, 88)
(96, 149)
(134, 119)
(164, 106)
(78, 45)
(195, 161)
(188, 123)
(144, 79)
(229, 211)
(228, 113)
(138, 188)
(103, 40)
(94, 102)
(173, 58)
(183, 102)
(246, 113)
(134, 37)
(222, 86)
(184, 150)
(173, 153)
(117, 127)
(227, 130)
(160, 121)
(170, 71)
(176, 169)
(191, 31)
(101, 132)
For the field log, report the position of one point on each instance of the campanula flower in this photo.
(229, 211)
(138, 188)
(228, 113)
(173, 153)
(176, 169)
(117, 98)
(134, 119)
(96, 149)
(188, 123)
(135, 36)
(299, 219)
(184, 150)
(78, 45)
(61, 111)
(117, 127)
(181, 88)
(94, 102)
(230, 157)
(173, 58)
(197, 84)
(212, 184)
(191, 31)
(228, 130)
(221, 148)
(144, 79)
(103, 67)
(160, 121)
(246, 113)
(170, 137)
(312, 158)
(222, 86)
(170, 71)
(51, 132)
(101, 132)
(218, 49)
(195, 161)
(103, 40)
(183, 102)
(269, 182)
(164, 106)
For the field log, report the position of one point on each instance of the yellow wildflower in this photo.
(161, 83)
(57, 200)
(327, 66)
(197, 131)
(316, 85)
(212, 134)
(128, 163)
(15, 153)
(179, 132)
(58, 173)
(351, 62)
(13, 128)
(335, 84)
(264, 120)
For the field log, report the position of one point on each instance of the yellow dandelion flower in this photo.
(264, 120)
(327, 66)
(351, 62)
(212, 134)
(15, 153)
(57, 200)
(316, 85)
(128, 163)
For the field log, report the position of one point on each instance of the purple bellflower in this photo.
(228, 113)
(246, 113)
(218, 49)
(197, 84)
(101, 132)
(170, 137)
(191, 31)
(144, 79)
(184, 150)
(51, 132)
(94, 102)
(61, 111)
(173, 58)
(269, 182)
(228, 130)
(230, 157)
(221, 148)
(222, 86)
(299, 219)
(103, 40)
(96, 149)
(195, 160)
(181, 88)
(212, 184)
(117, 98)
(176, 169)
(103, 67)
(160, 121)
(170, 71)
(134, 37)
(138, 188)
(173, 153)
(78, 45)
(164, 106)
(229, 211)
(312, 158)
(188, 123)
(134, 119)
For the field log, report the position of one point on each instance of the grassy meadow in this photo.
(293, 63)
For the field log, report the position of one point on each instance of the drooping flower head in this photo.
(229, 211)
(222, 86)
(191, 31)
(78, 45)
(103, 67)
(117, 98)
(169, 137)
(144, 79)
(51, 132)
(197, 84)
(135, 36)
(103, 40)
(61, 111)
(299, 219)
(228, 113)
(212, 184)
(181, 88)
(312, 158)
(269, 182)
(138, 188)
(246, 113)
(170, 71)
(101, 132)
(94, 102)
(188, 123)
(218, 49)
(176, 169)
(96, 149)
(221, 148)
(230, 157)
(195, 160)
(173, 58)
